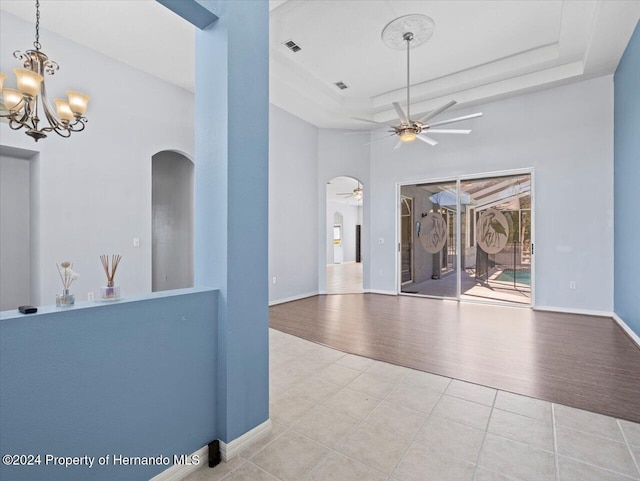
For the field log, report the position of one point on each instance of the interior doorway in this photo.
(172, 202)
(345, 197)
(472, 239)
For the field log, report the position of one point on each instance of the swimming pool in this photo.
(521, 277)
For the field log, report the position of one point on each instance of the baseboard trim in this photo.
(376, 291)
(177, 472)
(565, 310)
(634, 337)
(293, 298)
(233, 448)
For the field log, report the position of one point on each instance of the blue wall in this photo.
(135, 378)
(232, 178)
(627, 183)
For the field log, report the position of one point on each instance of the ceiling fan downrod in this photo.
(408, 37)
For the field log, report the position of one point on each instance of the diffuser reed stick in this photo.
(110, 270)
(110, 266)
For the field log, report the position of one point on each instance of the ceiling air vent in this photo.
(291, 45)
(341, 85)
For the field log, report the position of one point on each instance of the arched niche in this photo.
(172, 200)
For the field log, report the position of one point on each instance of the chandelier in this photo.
(25, 106)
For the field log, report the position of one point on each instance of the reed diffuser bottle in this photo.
(67, 276)
(110, 292)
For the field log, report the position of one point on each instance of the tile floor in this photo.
(344, 278)
(341, 417)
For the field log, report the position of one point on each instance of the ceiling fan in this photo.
(414, 30)
(356, 194)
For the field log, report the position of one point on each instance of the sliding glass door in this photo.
(486, 254)
(434, 239)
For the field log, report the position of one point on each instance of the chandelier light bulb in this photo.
(78, 102)
(12, 99)
(28, 81)
(63, 110)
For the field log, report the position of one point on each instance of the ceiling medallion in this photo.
(25, 106)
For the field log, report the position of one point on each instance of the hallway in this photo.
(344, 278)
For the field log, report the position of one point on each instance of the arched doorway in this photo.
(345, 197)
(172, 203)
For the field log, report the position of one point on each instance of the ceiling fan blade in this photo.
(457, 119)
(378, 140)
(398, 145)
(426, 139)
(447, 131)
(400, 112)
(373, 122)
(437, 111)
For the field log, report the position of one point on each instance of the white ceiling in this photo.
(481, 50)
(140, 33)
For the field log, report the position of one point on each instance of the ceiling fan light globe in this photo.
(408, 136)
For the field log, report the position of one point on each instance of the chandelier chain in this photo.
(36, 44)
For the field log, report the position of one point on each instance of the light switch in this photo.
(136, 242)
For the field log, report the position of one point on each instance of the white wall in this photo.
(293, 216)
(342, 155)
(349, 221)
(15, 256)
(566, 135)
(95, 188)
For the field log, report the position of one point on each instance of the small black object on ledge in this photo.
(28, 309)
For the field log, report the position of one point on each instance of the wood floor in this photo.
(582, 361)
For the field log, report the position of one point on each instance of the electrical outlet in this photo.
(90, 296)
(274, 280)
(136, 242)
(572, 284)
